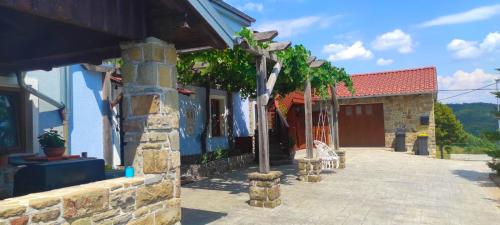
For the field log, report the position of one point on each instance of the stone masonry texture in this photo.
(309, 170)
(264, 189)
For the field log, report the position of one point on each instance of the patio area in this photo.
(377, 187)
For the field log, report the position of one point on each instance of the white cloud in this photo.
(476, 14)
(338, 52)
(291, 27)
(396, 39)
(462, 80)
(252, 6)
(472, 49)
(384, 62)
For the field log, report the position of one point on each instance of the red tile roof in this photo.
(398, 82)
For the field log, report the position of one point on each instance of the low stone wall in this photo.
(196, 171)
(149, 199)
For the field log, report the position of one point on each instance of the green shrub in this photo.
(495, 165)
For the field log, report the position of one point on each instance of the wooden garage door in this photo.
(361, 125)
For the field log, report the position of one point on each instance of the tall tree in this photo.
(448, 129)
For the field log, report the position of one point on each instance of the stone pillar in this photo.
(265, 189)
(341, 155)
(151, 111)
(309, 170)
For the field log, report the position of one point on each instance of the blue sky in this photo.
(460, 38)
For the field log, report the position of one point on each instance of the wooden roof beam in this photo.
(265, 36)
(278, 46)
(311, 59)
(316, 63)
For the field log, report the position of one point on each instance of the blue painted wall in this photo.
(190, 139)
(85, 121)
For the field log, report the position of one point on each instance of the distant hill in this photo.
(476, 117)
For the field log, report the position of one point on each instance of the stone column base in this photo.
(309, 170)
(265, 189)
(341, 155)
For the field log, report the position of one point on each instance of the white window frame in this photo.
(224, 115)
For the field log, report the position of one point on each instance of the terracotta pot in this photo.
(54, 152)
(4, 160)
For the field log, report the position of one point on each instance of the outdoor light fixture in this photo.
(185, 24)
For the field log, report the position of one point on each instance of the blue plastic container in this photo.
(129, 171)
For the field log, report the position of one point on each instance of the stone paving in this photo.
(376, 187)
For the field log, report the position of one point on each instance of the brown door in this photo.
(361, 125)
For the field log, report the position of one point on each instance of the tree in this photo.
(448, 129)
(494, 137)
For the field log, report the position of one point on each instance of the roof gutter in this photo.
(387, 95)
(59, 105)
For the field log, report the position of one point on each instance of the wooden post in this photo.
(308, 119)
(106, 123)
(335, 122)
(262, 115)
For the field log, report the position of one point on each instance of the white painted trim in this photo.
(34, 101)
(224, 114)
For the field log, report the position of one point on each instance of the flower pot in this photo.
(54, 152)
(4, 160)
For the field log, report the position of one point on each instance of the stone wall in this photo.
(404, 111)
(150, 124)
(149, 199)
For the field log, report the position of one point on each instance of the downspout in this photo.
(59, 105)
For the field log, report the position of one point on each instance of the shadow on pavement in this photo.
(482, 178)
(235, 182)
(197, 216)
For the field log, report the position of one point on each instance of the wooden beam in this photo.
(272, 80)
(308, 119)
(265, 36)
(310, 59)
(278, 46)
(262, 115)
(316, 64)
(335, 111)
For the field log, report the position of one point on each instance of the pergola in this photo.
(44, 34)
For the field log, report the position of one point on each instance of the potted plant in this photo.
(52, 143)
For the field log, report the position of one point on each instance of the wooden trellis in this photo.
(265, 87)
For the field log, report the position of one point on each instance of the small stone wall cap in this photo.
(265, 176)
(308, 160)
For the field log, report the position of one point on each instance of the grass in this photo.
(458, 150)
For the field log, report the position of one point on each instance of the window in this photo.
(217, 109)
(348, 111)
(358, 110)
(10, 124)
(369, 109)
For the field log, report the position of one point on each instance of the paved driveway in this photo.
(377, 187)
